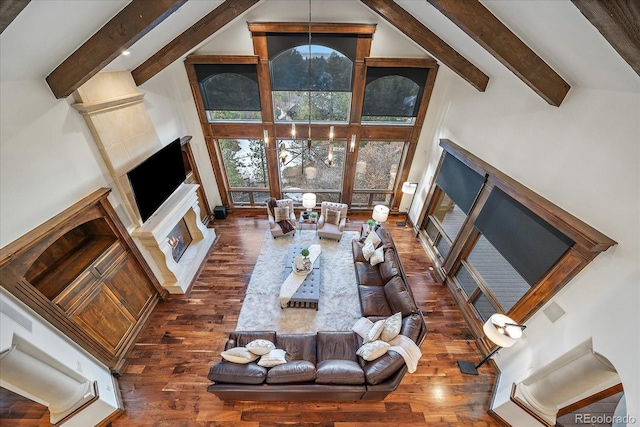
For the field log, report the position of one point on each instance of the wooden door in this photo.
(104, 315)
(130, 283)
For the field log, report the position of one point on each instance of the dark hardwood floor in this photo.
(166, 379)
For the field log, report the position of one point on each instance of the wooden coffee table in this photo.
(308, 293)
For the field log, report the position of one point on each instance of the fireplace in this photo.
(176, 239)
(179, 239)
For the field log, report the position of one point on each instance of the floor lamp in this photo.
(502, 331)
(408, 188)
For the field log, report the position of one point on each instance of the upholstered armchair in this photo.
(328, 226)
(274, 227)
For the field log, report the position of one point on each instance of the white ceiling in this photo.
(47, 31)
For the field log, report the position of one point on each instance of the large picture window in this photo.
(376, 172)
(314, 77)
(500, 247)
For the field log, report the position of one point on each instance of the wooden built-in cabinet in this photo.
(193, 177)
(82, 272)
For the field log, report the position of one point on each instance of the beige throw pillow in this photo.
(391, 327)
(238, 355)
(368, 250)
(374, 239)
(373, 350)
(281, 214)
(332, 217)
(273, 358)
(377, 257)
(260, 346)
(375, 331)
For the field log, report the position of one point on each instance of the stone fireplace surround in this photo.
(113, 109)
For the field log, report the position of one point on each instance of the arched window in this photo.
(325, 78)
(392, 94)
(229, 92)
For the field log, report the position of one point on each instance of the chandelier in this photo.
(310, 151)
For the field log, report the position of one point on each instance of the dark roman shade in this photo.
(461, 183)
(530, 244)
(393, 91)
(229, 87)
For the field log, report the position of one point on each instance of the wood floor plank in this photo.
(165, 381)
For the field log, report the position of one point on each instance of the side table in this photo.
(311, 221)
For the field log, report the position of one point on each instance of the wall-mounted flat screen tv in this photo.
(156, 178)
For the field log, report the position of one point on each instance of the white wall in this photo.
(21, 325)
(582, 156)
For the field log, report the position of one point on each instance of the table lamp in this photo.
(309, 202)
(380, 214)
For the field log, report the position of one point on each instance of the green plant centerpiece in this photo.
(313, 215)
(370, 222)
(306, 262)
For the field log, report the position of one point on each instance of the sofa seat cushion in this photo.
(398, 297)
(338, 371)
(368, 275)
(373, 301)
(293, 372)
(228, 372)
(383, 367)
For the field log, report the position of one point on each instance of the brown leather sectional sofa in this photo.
(324, 366)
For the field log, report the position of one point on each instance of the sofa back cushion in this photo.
(389, 268)
(298, 346)
(412, 326)
(337, 345)
(398, 297)
(242, 338)
(382, 368)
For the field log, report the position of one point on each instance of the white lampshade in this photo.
(499, 332)
(409, 187)
(309, 200)
(380, 213)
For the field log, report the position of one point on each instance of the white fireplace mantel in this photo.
(153, 236)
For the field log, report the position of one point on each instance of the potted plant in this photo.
(313, 216)
(369, 227)
(306, 262)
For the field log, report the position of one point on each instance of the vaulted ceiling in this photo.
(617, 20)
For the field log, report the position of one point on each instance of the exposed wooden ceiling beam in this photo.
(619, 22)
(487, 30)
(122, 31)
(9, 9)
(189, 39)
(430, 42)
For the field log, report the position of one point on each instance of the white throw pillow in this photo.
(274, 358)
(368, 250)
(281, 214)
(373, 238)
(260, 346)
(391, 327)
(377, 257)
(362, 327)
(375, 331)
(373, 350)
(238, 355)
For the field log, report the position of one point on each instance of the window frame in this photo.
(588, 243)
(319, 130)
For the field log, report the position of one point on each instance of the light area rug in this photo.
(338, 306)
